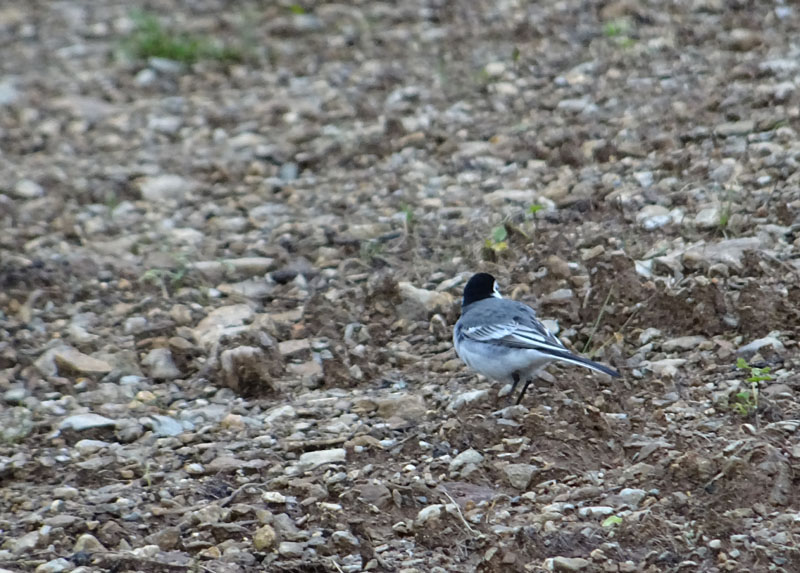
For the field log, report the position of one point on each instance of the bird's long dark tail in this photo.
(565, 356)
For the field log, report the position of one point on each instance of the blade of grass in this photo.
(597, 322)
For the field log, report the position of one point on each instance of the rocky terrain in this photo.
(229, 274)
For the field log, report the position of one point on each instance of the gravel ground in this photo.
(227, 288)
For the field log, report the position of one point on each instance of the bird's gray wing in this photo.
(517, 334)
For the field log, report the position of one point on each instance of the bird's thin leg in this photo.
(515, 378)
(524, 388)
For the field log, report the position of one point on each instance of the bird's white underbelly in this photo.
(498, 363)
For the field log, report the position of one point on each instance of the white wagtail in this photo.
(503, 340)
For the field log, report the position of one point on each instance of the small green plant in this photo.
(147, 477)
(370, 250)
(297, 9)
(167, 277)
(535, 208)
(111, 200)
(162, 277)
(725, 212)
(409, 219)
(724, 216)
(482, 78)
(756, 374)
(157, 275)
(151, 39)
(746, 402)
(611, 521)
(498, 239)
(619, 30)
(616, 28)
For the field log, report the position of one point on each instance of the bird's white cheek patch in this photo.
(496, 291)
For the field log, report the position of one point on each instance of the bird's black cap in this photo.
(479, 287)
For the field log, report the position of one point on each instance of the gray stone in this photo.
(559, 296)
(665, 367)
(134, 325)
(160, 364)
(164, 425)
(88, 447)
(63, 520)
(708, 218)
(80, 422)
(466, 457)
(652, 217)
(65, 492)
(27, 189)
(345, 539)
(210, 514)
(421, 303)
(311, 460)
(573, 105)
(96, 463)
(649, 334)
(264, 538)
(569, 564)
(224, 321)
(294, 348)
(756, 345)
(255, 289)
(212, 271)
(65, 359)
(26, 543)
(166, 187)
(247, 139)
(778, 390)
(502, 196)
(286, 528)
(407, 406)
(520, 475)
(466, 398)
(428, 514)
(8, 91)
(728, 251)
(16, 425)
(166, 66)
(248, 266)
(167, 538)
(733, 128)
(15, 395)
(630, 496)
(289, 171)
(145, 78)
(169, 124)
(595, 511)
(291, 549)
(246, 369)
(279, 413)
(723, 173)
(129, 431)
(682, 343)
(55, 566)
(88, 543)
(495, 69)
(742, 39)
(644, 178)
